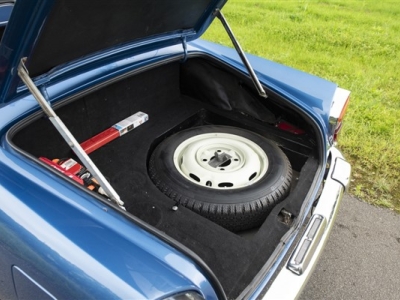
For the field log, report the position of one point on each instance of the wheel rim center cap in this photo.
(219, 159)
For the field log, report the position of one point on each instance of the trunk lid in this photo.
(56, 32)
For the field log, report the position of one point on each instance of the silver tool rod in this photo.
(67, 135)
(240, 51)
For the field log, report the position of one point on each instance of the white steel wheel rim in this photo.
(221, 161)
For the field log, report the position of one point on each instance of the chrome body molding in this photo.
(339, 99)
(342, 171)
(293, 277)
(305, 249)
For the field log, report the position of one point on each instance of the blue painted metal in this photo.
(5, 12)
(310, 93)
(26, 19)
(26, 22)
(71, 244)
(78, 248)
(76, 78)
(301, 87)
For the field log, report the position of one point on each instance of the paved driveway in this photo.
(362, 257)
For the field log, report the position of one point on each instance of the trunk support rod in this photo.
(240, 51)
(67, 135)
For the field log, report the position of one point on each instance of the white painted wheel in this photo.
(221, 161)
(232, 176)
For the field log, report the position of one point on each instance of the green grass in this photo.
(353, 43)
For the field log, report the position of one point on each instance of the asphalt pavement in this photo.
(362, 257)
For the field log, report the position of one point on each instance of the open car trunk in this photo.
(178, 96)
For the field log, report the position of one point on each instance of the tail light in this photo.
(338, 110)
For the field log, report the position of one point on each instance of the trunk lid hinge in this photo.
(184, 45)
(42, 98)
(43, 90)
(240, 51)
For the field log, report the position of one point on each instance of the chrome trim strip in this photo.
(338, 101)
(342, 172)
(305, 249)
(327, 207)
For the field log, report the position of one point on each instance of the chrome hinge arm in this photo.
(240, 51)
(67, 135)
(184, 45)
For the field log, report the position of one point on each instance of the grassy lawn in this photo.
(353, 43)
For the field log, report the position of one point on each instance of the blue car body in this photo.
(57, 241)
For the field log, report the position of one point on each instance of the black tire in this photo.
(235, 209)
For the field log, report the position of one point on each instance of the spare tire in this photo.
(229, 175)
